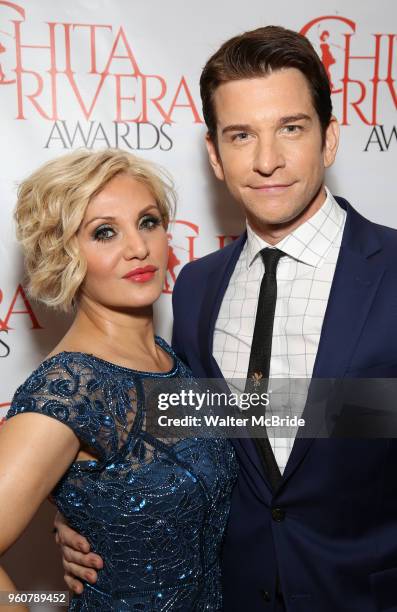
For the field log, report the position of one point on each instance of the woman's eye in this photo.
(104, 232)
(149, 222)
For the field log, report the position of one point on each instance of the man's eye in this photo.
(240, 136)
(149, 222)
(104, 232)
(292, 129)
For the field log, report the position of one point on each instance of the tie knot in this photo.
(270, 258)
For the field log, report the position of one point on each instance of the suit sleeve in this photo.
(179, 298)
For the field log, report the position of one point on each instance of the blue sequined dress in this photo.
(155, 510)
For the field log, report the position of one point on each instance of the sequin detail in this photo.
(155, 510)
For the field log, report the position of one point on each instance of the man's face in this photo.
(270, 150)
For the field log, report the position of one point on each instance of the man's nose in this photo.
(135, 245)
(268, 156)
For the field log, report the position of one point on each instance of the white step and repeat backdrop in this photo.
(108, 73)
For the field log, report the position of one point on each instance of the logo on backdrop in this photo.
(14, 308)
(182, 239)
(362, 73)
(72, 74)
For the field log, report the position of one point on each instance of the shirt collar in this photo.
(309, 242)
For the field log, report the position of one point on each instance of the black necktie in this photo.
(261, 349)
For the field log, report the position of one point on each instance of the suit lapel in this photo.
(217, 284)
(356, 281)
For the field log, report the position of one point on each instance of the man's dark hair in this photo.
(258, 53)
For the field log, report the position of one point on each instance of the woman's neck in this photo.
(116, 335)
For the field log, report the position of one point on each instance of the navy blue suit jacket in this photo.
(336, 547)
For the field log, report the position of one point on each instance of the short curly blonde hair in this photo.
(51, 206)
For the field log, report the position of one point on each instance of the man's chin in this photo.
(275, 220)
(275, 226)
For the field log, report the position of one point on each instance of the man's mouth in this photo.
(271, 187)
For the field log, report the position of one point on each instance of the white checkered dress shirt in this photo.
(304, 278)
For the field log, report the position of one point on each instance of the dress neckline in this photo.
(159, 341)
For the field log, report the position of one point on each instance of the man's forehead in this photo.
(281, 93)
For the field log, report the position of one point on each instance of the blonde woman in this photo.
(93, 228)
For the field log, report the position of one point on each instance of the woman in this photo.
(93, 227)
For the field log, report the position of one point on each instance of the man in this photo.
(313, 521)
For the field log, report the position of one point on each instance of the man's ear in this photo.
(214, 158)
(331, 142)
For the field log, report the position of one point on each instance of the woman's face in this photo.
(125, 246)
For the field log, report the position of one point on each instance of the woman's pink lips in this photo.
(141, 275)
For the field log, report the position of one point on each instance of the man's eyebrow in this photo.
(238, 127)
(245, 127)
(293, 118)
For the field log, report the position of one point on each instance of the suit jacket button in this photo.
(266, 596)
(278, 514)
